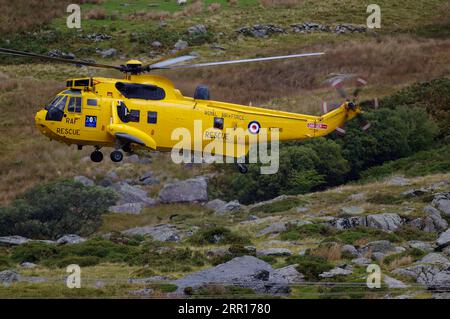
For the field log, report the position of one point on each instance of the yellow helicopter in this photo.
(142, 111)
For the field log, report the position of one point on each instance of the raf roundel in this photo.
(253, 127)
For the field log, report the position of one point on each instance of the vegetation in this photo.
(217, 235)
(310, 266)
(51, 210)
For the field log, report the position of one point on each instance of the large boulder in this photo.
(13, 240)
(379, 246)
(190, 190)
(432, 271)
(442, 202)
(444, 239)
(349, 222)
(163, 232)
(7, 277)
(290, 273)
(387, 221)
(70, 239)
(432, 222)
(132, 194)
(393, 283)
(246, 271)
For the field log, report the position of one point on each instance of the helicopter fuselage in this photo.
(144, 111)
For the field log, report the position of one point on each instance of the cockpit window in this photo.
(74, 104)
(140, 91)
(56, 108)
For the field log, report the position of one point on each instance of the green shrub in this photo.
(217, 235)
(4, 263)
(82, 261)
(310, 266)
(63, 207)
(410, 233)
(385, 199)
(351, 236)
(34, 252)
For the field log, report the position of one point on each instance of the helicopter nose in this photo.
(39, 120)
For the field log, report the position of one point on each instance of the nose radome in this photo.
(40, 117)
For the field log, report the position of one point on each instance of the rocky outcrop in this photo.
(442, 202)
(349, 222)
(338, 271)
(246, 271)
(393, 283)
(260, 30)
(70, 239)
(274, 252)
(13, 240)
(163, 232)
(190, 190)
(290, 273)
(432, 222)
(444, 239)
(7, 277)
(387, 221)
(132, 194)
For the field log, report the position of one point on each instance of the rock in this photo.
(350, 249)
(290, 273)
(28, 265)
(349, 222)
(398, 181)
(246, 271)
(432, 222)
(379, 246)
(215, 204)
(132, 194)
(260, 30)
(250, 249)
(442, 202)
(362, 261)
(163, 232)
(393, 283)
(387, 221)
(446, 251)
(84, 180)
(13, 240)
(308, 27)
(420, 245)
(378, 256)
(336, 272)
(156, 44)
(274, 252)
(128, 208)
(349, 28)
(441, 295)
(352, 210)
(228, 208)
(180, 45)
(70, 239)
(108, 53)
(301, 209)
(190, 190)
(7, 277)
(274, 228)
(415, 192)
(444, 239)
(59, 54)
(435, 258)
(97, 37)
(197, 29)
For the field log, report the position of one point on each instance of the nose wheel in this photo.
(116, 156)
(242, 168)
(96, 156)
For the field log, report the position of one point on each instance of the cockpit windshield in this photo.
(56, 108)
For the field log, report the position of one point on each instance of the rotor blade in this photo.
(199, 65)
(62, 60)
(166, 63)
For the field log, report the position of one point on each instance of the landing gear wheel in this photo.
(116, 156)
(96, 156)
(242, 168)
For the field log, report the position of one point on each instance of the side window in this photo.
(74, 105)
(134, 115)
(218, 123)
(91, 102)
(152, 117)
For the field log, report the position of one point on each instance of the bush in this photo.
(33, 252)
(63, 207)
(310, 266)
(304, 166)
(217, 235)
(352, 236)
